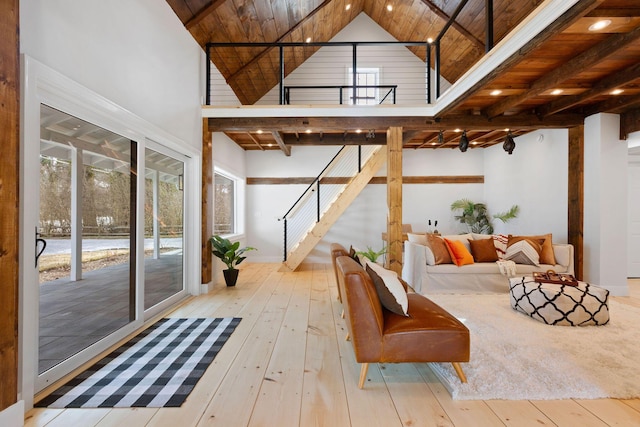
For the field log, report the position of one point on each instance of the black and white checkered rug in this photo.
(157, 368)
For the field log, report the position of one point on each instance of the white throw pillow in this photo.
(500, 241)
(429, 256)
(420, 239)
(522, 253)
(390, 292)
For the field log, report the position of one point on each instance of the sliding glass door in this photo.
(86, 232)
(163, 227)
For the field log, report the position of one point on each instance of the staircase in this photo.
(331, 200)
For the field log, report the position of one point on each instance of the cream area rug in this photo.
(515, 357)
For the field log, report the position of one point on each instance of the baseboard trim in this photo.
(13, 416)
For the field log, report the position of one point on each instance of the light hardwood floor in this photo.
(287, 364)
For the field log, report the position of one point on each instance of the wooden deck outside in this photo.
(287, 364)
(74, 315)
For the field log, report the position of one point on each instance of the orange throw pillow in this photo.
(459, 253)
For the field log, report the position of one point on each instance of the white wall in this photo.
(633, 246)
(605, 203)
(534, 177)
(135, 53)
(330, 66)
(366, 218)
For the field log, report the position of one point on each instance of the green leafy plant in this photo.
(476, 218)
(229, 253)
(371, 254)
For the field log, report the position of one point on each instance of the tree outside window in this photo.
(224, 204)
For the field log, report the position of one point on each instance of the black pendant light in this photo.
(509, 144)
(464, 142)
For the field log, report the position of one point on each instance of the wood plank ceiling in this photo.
(570, 72)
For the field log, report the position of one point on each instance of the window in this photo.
(365, 77)
(224, 204)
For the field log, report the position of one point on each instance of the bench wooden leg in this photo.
(347, 337)
(363, 375)
(459, 371)
(342, 314)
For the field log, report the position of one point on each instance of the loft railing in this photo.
(321, 90)
(322, 192)
(256, 52)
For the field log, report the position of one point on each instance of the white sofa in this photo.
(483, 277)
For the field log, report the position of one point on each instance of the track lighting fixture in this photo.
(464, 142)
(441, 138)
(509, 143)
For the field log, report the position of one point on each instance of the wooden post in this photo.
(575, 223)
(207, 200)
(394, 199)
(9, 201)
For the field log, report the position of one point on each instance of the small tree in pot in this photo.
(230, 254)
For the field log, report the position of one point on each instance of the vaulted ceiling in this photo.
(566, 73)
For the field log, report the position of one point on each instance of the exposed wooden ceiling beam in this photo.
(203, 13)
(629, 122)
(614, 12)
(255, 140)
(606, 84)
(585, 60)
(441, 14)
(256, 58)
(278, 137)
(576, 12)
(451, 122)
(334, 139)
(616, 104)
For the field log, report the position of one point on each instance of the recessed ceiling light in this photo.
(434, 143)
(389, 8)
(457, 130)
(430, 40)
(358, 130)
(496, 92)
(506, 130)
(600, 25)
(617, 91)
(347, 7)
(308, 131)
(308, 39)
(259, 131)
(556, 92)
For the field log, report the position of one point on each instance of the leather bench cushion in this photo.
(428, 334)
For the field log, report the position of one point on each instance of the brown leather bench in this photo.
(337, 250)
(428, 334)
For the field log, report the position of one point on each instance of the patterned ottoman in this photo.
(554, 304)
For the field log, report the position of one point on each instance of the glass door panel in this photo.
(87, 220)
(164, 219)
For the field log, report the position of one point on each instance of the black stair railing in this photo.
(336, 175)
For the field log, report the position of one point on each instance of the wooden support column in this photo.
(575, 179)
(394, 199)
(9, 201)
(207, 201)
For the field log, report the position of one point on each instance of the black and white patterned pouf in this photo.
(566, 305)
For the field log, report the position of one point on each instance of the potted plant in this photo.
(230, 254)
(372, 255)
(476, 217)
